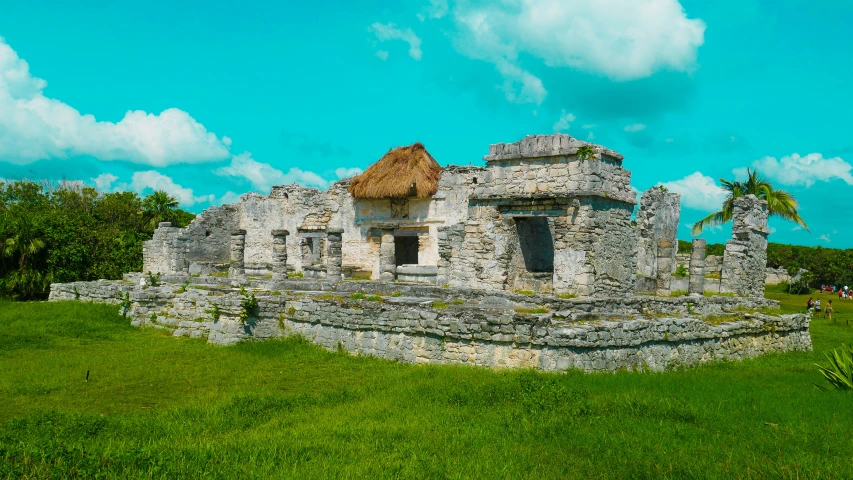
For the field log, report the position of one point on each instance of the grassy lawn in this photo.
(163, 407)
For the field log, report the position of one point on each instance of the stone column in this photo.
(745, 260)
(334, 256)
(697, 268)
(305, 248)
(279, 253)
(387, 257)
(666, 260)
(238, 246)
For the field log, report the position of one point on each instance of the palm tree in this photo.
(160, 206)
(779, 202)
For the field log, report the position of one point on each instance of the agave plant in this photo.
(840, 370)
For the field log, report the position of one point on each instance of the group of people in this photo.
(813, 306)
(843, 292)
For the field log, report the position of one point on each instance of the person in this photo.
(829, 310)
(809, 305)
(817, 306)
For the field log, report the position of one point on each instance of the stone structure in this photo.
(238, 249)
(745, 259)
(279, 253)
(469, 254)
(494, 329)
(697, 268)
(657, 220)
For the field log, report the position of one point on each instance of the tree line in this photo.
(65, 232)
(828, 266)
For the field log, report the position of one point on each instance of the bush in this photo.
(681, 271)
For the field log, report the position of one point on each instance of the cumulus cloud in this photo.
(382, 55)
(35, 127)
(803, 170)
(564, 122)
(228, 197)
(151, 180)
(634, 127)
(435, 9)
(347, 172)
(621, 39)
(104, 181)
(698, 191)
(263, 176)
(389, 31)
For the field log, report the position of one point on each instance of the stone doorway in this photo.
(536, 244)
(406, 250)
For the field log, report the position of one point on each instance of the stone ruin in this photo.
(532, 260)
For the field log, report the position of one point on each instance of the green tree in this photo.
(779, 202)
(159, 207)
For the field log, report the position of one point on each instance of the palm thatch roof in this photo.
(402, 172)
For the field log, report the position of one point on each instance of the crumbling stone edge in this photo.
(433, 325)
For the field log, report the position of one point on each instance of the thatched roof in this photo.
(402, 172)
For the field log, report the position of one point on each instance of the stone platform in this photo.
(428, 324)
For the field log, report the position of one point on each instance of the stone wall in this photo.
(657, 219)
(745, 259)
(549, 165)
(591, 335)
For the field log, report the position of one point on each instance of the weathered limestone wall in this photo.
(549, 165)
(745, 259)
(657, 219)
(486, 331)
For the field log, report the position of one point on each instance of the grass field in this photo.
(163, 407)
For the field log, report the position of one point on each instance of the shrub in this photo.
(153, 280)
(586, 152)
(681, 271)
(183, 287)
(839, 373)
(357, 296)
(248, 306)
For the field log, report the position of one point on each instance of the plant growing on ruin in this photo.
(76, 293)
(153, 280)
(214, 312)
(295, 274)
(534, 310)
(374, 298)
(124, 303)
(566, 295)
(396, 294)
(779, 202)
(183, 288)
(681, 271)
(586, 152)
(439, 304)
(839, 373)
(357, 296)
(248, 305)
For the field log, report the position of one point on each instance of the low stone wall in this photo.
(638, 333)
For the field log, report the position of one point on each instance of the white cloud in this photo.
(622, 39)
(589, 125)
(263, 176)
(520, 86)
(228, 197)
(435, 9)
(35, 127)
(564, 122)
(698, 191)
(382, 55)
(802, 170)
(634, 127)
(825, 238)
(104, 181)
(389, 31)
(347, 172)
(152, 180)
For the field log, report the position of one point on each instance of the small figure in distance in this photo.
(829, 310)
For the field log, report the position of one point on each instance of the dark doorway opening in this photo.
(537, 244)
(406, 250)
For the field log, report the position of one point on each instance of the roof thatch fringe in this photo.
(402, 172)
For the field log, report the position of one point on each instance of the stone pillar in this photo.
(317, 250)
(745, 260)
(334, 256)
(238, 246)
(305, 248)
(657, 219)
(279, 253)
(697, 268)
(666, 261)
(387, 257)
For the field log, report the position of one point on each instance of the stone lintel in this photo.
(279, 233)
(335, 231)
(238, 231)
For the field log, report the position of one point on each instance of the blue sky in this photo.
(209, 100)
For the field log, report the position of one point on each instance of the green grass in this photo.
(164, 407)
